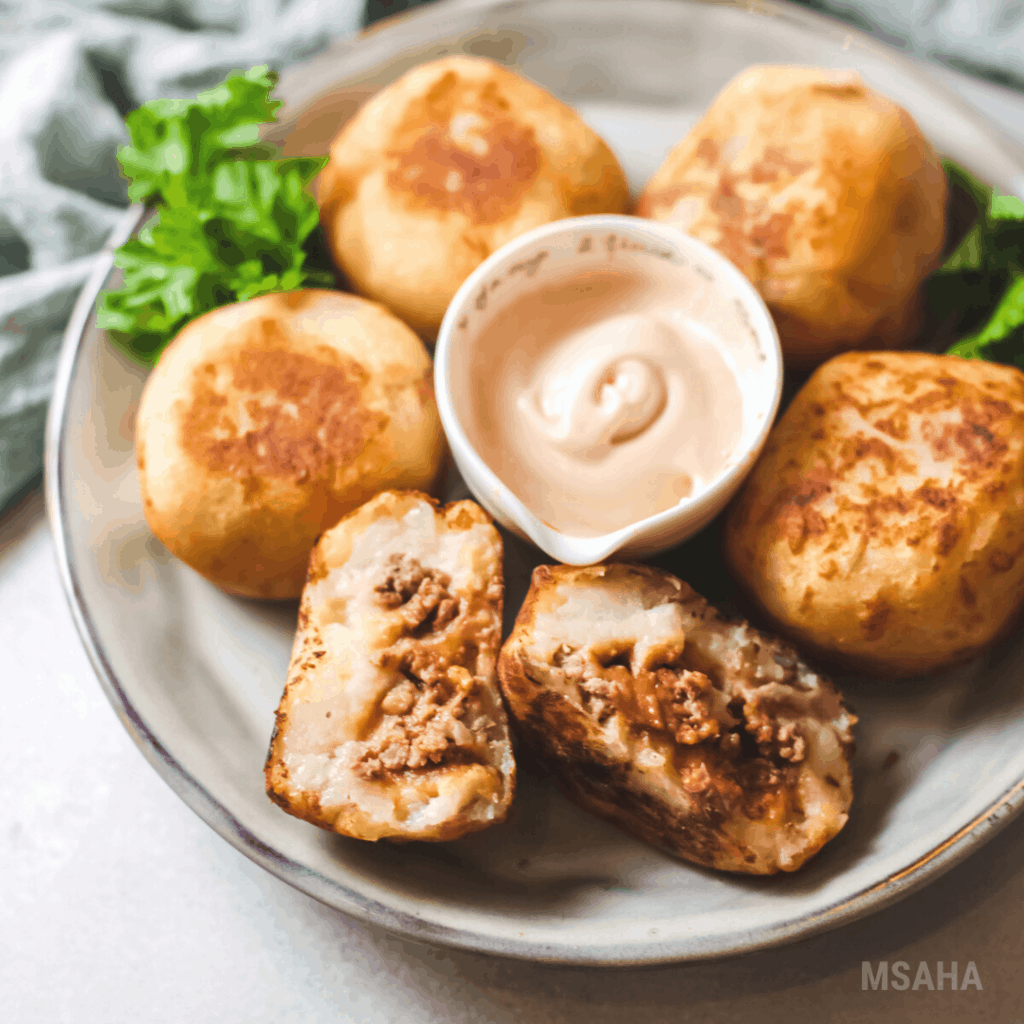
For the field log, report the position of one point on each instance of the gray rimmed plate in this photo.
(195, 675)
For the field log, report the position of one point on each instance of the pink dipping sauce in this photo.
(602, 398)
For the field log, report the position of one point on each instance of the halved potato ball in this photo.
(702, 736)
(267, 421)
(445, 165)
(824, 193)
(391, 724)
(883, 525)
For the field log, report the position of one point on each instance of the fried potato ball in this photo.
(824, 193)
(445, 165)
(700, 735)
(266, 421)
(391, 725)
(883, 525)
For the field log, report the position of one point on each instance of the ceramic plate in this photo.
(196, 675)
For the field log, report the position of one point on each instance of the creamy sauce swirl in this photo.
(603, 399)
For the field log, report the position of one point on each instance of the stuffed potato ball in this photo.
(883, 525)
(444, 166)
(824, 193)
(267, 421)
(697, 734)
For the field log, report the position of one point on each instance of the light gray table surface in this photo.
(118, 904)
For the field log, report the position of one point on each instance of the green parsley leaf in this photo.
(231, 222)
(983, 278)
(961, 177)
(1007, 318)
(968, 255)
(1006, 208)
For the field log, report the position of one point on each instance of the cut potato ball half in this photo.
(391, 725)
(699, 735)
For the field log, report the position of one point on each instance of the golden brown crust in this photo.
(314, 417)
(701, 736)
(824, 193)
(265, 422)
(425, 158)
(883, 525)
(444, 166)
(391, 725)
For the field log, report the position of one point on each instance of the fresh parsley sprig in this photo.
(232, 222)
(983, 278)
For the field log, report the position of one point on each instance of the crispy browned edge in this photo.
(701, 843)
(276, 774)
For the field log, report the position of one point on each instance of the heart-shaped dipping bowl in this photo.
(712, 291)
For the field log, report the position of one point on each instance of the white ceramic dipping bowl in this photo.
(589, 243)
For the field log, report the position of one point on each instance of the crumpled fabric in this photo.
(982, 37)
(69, 72)
(71, 69)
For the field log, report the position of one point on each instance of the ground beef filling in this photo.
(779, 740)
(674, 701)
(423, 714)
(422, 594)
(422, 726)
(743, 753)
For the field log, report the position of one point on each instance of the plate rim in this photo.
(887, 891)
